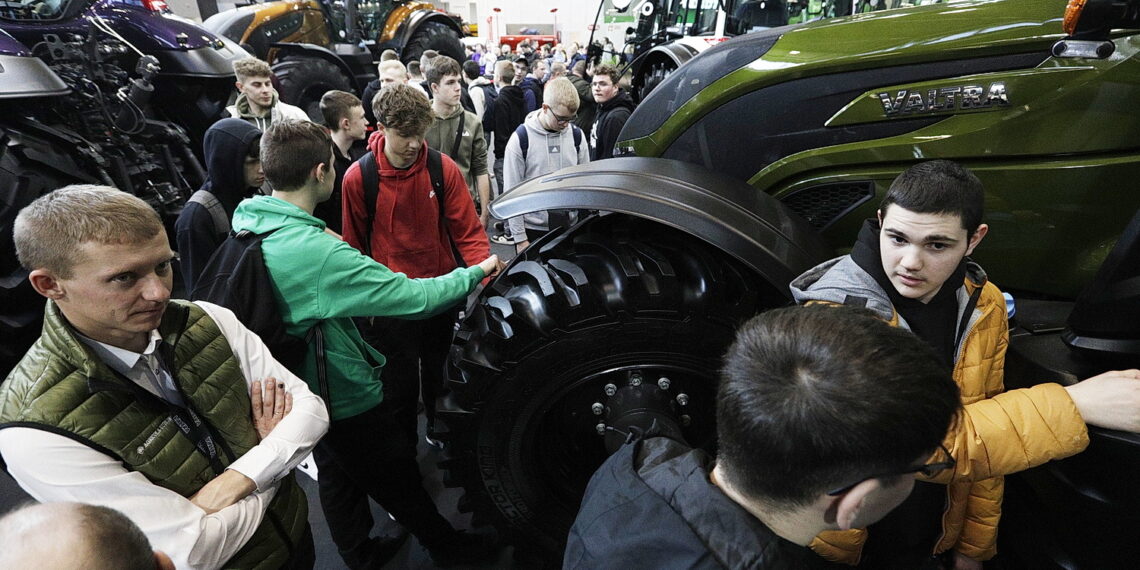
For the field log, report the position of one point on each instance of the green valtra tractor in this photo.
(760, 158)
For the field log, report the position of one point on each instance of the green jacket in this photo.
(317, 277)
(471, 156)
(62, 387)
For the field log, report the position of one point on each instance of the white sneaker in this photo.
(503, 239)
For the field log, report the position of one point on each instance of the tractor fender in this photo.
(287, 50)
(742, 221)
(418, 18)
(675, 52)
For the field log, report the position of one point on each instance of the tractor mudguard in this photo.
(725, 212)
(285, 50)
(418, 18)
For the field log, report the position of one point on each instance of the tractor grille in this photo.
(824, 204)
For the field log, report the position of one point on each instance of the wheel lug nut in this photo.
(601, 429)
(598, 408)
(686, 420)
(610, 389)
(683, 399)
(635, 380)
(663, 383)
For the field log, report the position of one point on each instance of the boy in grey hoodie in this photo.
(551, 143)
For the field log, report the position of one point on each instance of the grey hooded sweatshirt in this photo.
(546, 152)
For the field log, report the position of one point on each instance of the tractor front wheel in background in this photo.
(433, 35)
(652, 76)
(304, 80)
(612, 301)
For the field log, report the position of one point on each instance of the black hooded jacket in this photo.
(202, 226)
(612, 116)
(651, 505)
(504, 114)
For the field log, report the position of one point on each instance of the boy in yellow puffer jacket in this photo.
(927, 225)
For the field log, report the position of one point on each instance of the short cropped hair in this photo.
(426, 60)
(413, 68)
(96, 537)
(815, 398)
(505, 71)
(389, 55)
(290, 150)
(561, 92)
(248, 67)
(939, 187)
(335, 106)
(557, 69)
(579, 68)
(404, 109)
(441, 66)
(392, 64)
(49, 231)
(471, 69)
(521, 60)
(609, 71)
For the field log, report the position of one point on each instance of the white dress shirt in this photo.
(53, 467)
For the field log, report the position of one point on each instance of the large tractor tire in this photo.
(304, 80)
(21, 308)
(433, 35)
(652, 76)
(612, 299)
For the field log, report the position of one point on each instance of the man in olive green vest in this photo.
(170, 412)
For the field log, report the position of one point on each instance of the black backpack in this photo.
(236, 278)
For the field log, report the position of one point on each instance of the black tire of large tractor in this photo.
(653, 76)
(433, 35)
(21, 308)
(304, 80)
(579, 309)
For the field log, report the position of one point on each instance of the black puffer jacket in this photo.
(503, 115)
(651, 505)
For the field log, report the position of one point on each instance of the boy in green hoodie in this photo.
(322, 281)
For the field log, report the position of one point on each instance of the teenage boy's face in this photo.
(392, 77)
(448, 90)
(357, 127)
(254, 177)
(258, 90)
(604, 88)
(401, 150)
(920, 251)
(556, 118)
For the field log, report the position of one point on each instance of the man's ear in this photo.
(434, 88)
(845, 509)
(879, 215)
(379, 127)
(343, 124)
(45, 283)
(237, 84)
(977, 238)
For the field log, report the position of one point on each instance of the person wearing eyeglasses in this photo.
(911, 266)
(824, 415)
(546, 141)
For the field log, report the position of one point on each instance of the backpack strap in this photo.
(435, 171)
(370, 182)
(577, 139)
(209, 201)
(459, 136)
(524, 139)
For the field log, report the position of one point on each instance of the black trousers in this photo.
(417, 361)
(369, 455)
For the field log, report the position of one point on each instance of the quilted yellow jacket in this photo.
(997, 434)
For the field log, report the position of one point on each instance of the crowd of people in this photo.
(176, 414)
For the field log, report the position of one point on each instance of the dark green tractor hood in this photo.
(822, 116)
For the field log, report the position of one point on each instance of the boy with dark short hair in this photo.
(458, 133)
(823, 416)
(911, 266)
(344, 116)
